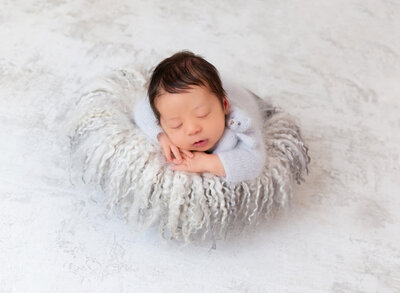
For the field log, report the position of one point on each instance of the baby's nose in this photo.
(193, 129)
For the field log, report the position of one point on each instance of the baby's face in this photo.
(193, 120)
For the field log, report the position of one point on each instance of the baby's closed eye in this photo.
(203, 115)
(176, 127)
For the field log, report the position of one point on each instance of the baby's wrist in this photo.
(215, 165)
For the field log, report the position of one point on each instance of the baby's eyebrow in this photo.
(195, 108)
(199, 106)
(173, 118)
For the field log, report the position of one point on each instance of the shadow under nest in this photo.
(113, 153)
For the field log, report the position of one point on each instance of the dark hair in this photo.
(177, 73)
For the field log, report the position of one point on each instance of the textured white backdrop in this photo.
(335, 65)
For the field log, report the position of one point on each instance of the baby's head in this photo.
(188, 99)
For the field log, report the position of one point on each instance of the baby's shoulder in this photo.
(244, 104)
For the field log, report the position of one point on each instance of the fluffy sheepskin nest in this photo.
(137, 182)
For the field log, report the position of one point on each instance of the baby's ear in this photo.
(227, 106)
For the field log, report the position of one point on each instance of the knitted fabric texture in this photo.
(114, 153)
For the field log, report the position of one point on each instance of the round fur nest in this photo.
(137, 181)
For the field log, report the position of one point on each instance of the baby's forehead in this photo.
(163, 90)
(193, 94)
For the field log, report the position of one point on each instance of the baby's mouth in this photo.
(201, 143)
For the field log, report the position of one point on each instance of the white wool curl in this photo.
(138, 183)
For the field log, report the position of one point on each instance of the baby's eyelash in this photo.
(177, 126)
(203, 116)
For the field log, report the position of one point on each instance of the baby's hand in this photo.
(201, 162)
(172, 152)
(195, 164)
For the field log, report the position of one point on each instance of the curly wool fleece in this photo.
(136, 179)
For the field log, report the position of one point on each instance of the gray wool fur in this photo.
(138, 183)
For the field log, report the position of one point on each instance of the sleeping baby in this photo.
(202, 127)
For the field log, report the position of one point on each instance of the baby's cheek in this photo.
(171, 137)
(175, 140)
(180, 141)
(217, 133)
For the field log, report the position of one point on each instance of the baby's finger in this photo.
(187, 153)
(184, 156)
(167, 153)
(176, 161)
(176, 153)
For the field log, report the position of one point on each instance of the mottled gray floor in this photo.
(335, 65)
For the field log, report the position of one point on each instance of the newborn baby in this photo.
(200, 126)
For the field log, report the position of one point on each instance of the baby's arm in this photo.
(236, 165)
(242, 163)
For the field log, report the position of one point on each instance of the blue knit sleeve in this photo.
(145, 119)
(242, 163)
